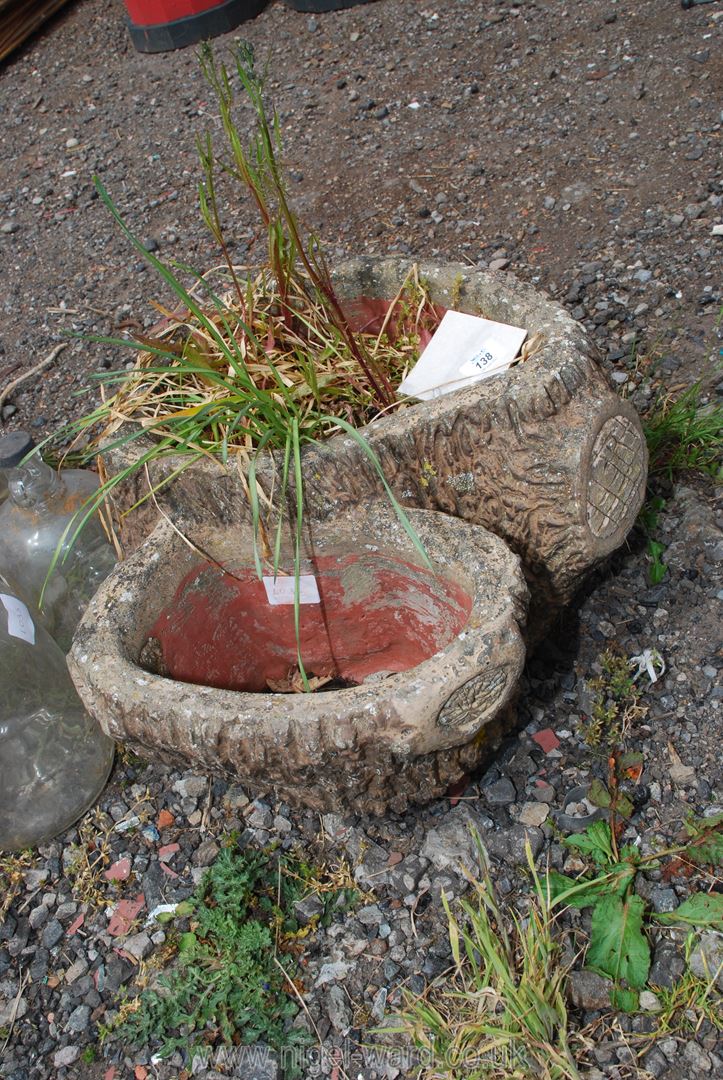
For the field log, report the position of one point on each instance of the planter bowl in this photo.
(175, 655)
(545, 455)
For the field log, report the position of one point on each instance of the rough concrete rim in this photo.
(103, 664)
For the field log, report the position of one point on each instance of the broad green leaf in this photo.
(706, 844)
(186, 942)
(626, 1001)
(599, 794)
(624, 806)
(618, 947)
(595, 841)
(585, 892)
(701, 909)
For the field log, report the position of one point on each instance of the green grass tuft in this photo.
(684, 435)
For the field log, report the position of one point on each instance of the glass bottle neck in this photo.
(34, 485)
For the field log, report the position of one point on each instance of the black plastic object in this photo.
(314, 7)
(178, 33)
(14, 447)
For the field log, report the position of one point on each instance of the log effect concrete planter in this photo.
(545, 455)
(436, 656)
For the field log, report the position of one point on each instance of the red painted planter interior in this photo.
(377, 614)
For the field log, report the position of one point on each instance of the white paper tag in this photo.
(464, 349)
(20, 625)
(280, 590)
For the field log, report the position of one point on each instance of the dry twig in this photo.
(34, 370)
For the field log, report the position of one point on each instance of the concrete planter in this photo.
(543, 465)
(545, 455)
(173, 657)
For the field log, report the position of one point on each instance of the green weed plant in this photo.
(619, 947)
(238, 940)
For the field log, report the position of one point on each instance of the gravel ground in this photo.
(576, 145)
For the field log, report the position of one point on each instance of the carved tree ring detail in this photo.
(617, 470)
(474, 698)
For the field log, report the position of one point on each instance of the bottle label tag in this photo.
(280, 590)
(20, 625)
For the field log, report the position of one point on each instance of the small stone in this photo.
(501, 793)
(71, 143)
(78, 1020)
(371, 915)
(138, 946)
(717, 230)
(707, 958)
(588, 990)
(663, 899)
(650, 1002)
(35, 878)
(9, 227)
(544, 792)
(338, 1010)
(697, 1059)
(332, 972)
(66, 911)
(549, 202)
(509, 845)
(76, 970)
(205, 853)
(450, 846)
(191, 787)
(38, 916)
(282, 824)
(667, 966)
(499, 264)
(310, 907)
(534, 813)
(65, 1057)
(260, 816)
(382, 113)
(52, 934)
(124, 914)
(39, 966)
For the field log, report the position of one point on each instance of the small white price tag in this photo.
(20, 625)
(280, 590)
(463, 350)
